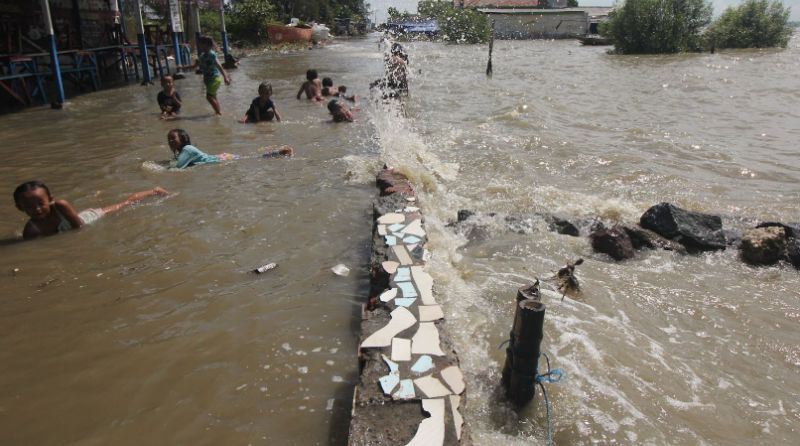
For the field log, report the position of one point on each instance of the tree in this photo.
(752, 24)
(572, 3)
(657, 26)
(247, 19)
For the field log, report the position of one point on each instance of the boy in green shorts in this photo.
(211, 69)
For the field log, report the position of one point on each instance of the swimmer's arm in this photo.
(69, 213)
(177, 98)
(30, 231)
(257, 113)
(301, 90)
(277, 115)
(224, 73)
(133, 198)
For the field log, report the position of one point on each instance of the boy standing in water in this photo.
(211, 69)
(312, 87)
(168, 98)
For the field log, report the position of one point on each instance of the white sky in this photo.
(719, 5)
(379, 6)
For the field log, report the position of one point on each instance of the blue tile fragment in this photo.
(391, 240)
(406, 390)
(423, 364)
(412, 239)
(396, 227)
(402, 274)
(407, 288)
(389, 382)
(405, 301)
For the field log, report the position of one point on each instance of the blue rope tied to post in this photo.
(552, 376)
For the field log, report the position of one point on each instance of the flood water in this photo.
(145, 328)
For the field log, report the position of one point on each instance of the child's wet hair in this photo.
(327, 82)
(333, 106)
(265, 86)
(183, 136)
(342, 89)
(166, 77)
(311, 75)
(29, 186)
(207, 40)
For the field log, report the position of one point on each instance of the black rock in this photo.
(694, 230)
(792, 229)
(763, 246)
(614, 242)
(464, 214)
(793, 251)
(646, 239)
(561, 225)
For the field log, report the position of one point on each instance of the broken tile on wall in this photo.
(401, 320)
(426, 340)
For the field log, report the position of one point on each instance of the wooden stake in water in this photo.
(491, 46)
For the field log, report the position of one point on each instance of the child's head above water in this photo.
(311, 75)
(327, 82)
(167, 82)
(34, 199)
(265, 89)
(206, 43)
(342, 89)
(177, 139)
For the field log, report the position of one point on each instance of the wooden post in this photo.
(491, 46)
(522, 354)
(55, 66)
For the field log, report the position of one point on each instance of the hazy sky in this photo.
(719, 5)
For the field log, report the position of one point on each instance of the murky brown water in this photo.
(145, 328)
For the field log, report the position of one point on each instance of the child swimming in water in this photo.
(339, 112)
(168, 98)
(262, 108)
(49, 217)
(187, 155)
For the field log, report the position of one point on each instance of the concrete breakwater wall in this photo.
(411, 389)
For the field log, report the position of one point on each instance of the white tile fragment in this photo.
(411, 199)
(402, 254)
(388, 295)
(428, 313)
(415, 228)
(381, 229)
(426, 340)
(411, 209)
(401, 319)
(454, 379)
(431, 387)
(424, 284)
(431, 430)
(390, 266)
(458, 420)
(388, 219)
(401, 349)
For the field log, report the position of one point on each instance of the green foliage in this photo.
(396, 16)
(572, 3)
(657, 26)
(209, 24)
(247, 19)
(456, 24)
(752, 24)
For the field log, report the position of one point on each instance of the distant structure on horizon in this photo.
(524, 4)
